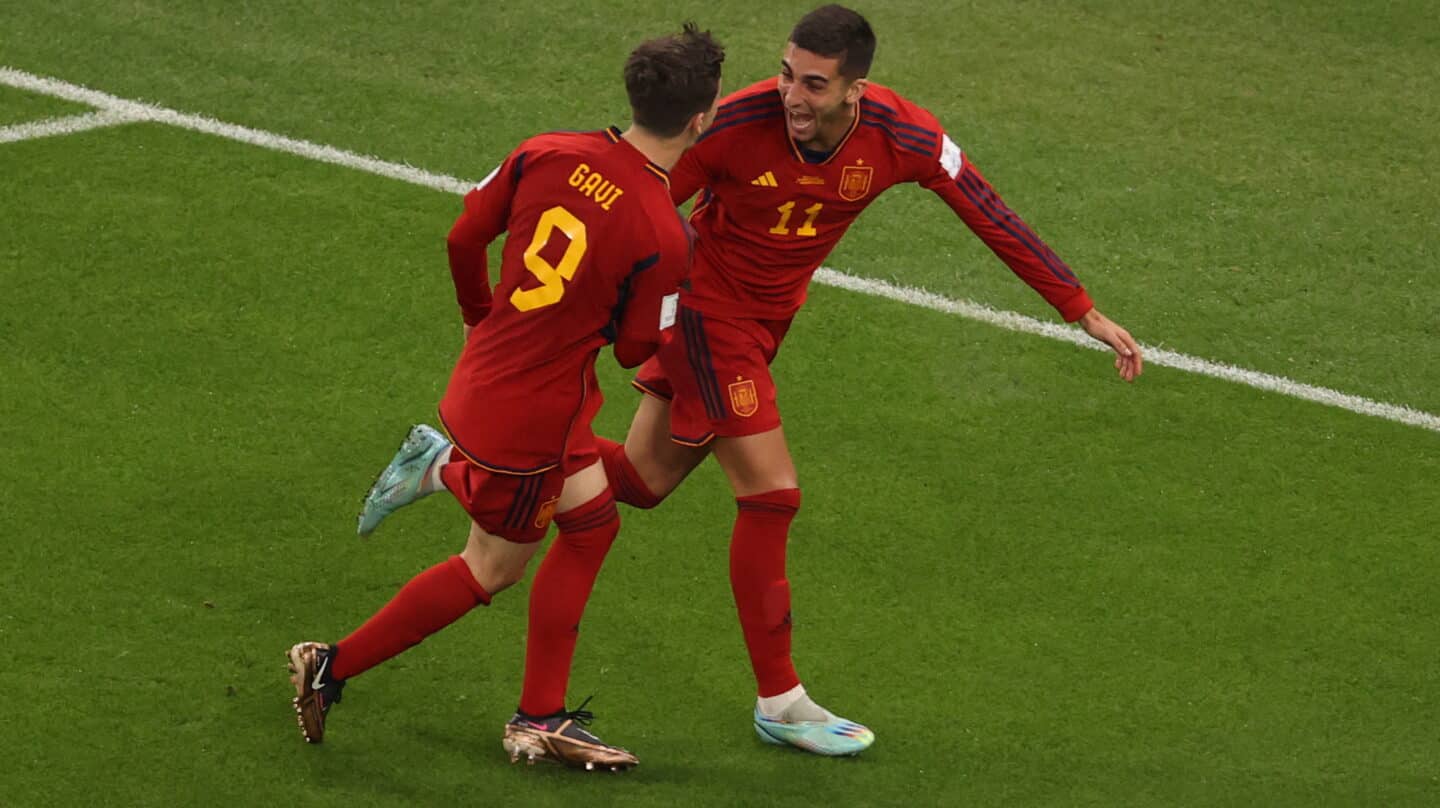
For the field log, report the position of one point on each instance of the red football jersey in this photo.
(767, 217)
(594, 247)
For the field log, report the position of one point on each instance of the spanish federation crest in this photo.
(546, 513)
(855, 182)
(743, 399)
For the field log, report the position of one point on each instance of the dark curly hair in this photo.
(671, 78)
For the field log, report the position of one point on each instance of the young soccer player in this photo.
(787, 167)
(594, 254)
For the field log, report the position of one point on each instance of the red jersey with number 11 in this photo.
(767, 215)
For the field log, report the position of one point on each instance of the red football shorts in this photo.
(515, 508)
(520, 507)
(715, 372)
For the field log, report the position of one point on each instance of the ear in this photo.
(855, 90)
(698, 124)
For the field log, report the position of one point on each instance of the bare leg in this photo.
(581, 487)
(662, 463)
(495, 562)
(756, 463)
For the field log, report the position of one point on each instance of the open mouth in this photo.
(802, 124)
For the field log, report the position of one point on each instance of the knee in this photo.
(644, 479)
(659, 482)
(757, 465)
(665, 469)
(777, 502)
(589, 533)
(495, 572)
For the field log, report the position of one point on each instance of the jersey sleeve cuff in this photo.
(1075, 306)
(473, 316)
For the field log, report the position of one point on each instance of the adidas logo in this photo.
(766, 180)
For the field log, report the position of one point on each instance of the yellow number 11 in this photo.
(782, 227)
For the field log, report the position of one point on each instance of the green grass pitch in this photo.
(1038, 585)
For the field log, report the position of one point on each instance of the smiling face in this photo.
(819, 102)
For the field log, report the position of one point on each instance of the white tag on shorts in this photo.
(669, 306)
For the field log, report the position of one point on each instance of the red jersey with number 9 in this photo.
(769, 212)
(594, 248)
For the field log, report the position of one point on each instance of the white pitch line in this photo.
(1153, 356)
(135, 110)
(70, 124)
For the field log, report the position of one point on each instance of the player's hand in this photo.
(1128, 360)
(468, 329)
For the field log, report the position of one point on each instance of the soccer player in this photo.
(787, 167)
(594, 255)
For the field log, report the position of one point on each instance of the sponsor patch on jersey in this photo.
(809, 180)
(743, 399)
(669, 306)
(951, 158)
(855, 182)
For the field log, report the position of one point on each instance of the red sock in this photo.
(431, 601)
(557, 600)
(625, 481)
(757, 578)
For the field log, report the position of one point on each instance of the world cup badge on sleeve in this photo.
(855, 182)
(743, 399)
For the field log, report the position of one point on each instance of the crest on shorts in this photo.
(743, 399)
(546, 513)
(855, 182)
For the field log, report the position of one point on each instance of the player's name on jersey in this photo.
(592, 184)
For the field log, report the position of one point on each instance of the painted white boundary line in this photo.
(136, 110)
(198, 123)
(1153, 356)
(50, 127)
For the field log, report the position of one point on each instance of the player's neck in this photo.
(663, 152)
(828, 137)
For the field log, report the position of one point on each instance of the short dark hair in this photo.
(835, 31)
(671, 78)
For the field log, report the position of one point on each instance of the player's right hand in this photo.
(1128, 359)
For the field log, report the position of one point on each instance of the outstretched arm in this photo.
(1009, 237)
(972, 198)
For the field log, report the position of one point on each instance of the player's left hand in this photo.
(1128, 360)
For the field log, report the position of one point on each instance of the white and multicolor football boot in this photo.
(806, 725)
(402, 482)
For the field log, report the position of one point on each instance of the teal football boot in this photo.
(835, 736)
(401, 482)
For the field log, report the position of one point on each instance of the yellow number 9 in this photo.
(552, 278)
